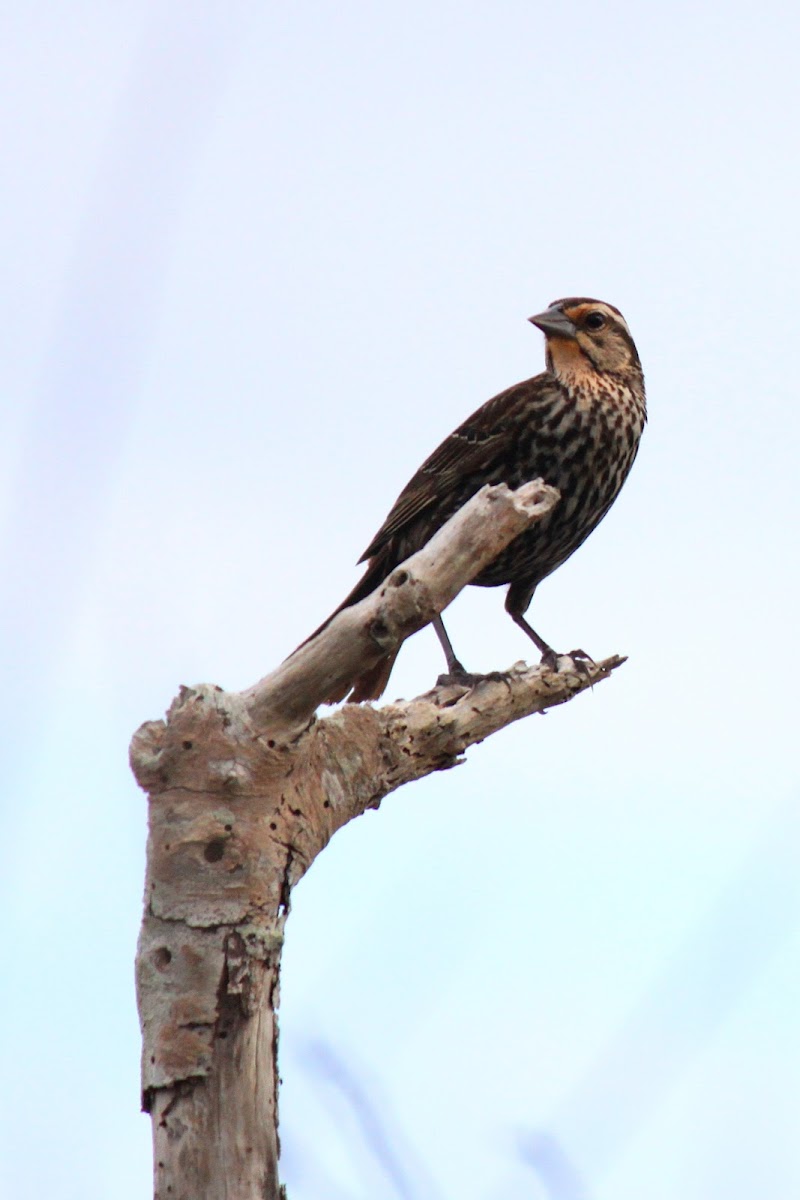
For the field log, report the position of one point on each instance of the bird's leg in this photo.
(549, 656)
(454, 667)
(456, 673)
(517, 601)
(518, 597)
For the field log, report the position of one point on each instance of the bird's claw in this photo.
(579, 658)
(581, 661)
(455, 675)
(469, 679)
(576, 654)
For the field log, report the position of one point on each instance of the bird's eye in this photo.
(595, 320)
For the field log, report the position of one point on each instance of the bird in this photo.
(577, 426)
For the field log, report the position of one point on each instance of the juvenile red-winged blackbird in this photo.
(577, 426)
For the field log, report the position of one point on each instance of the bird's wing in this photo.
(472, 449)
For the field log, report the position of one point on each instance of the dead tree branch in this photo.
(245, 790)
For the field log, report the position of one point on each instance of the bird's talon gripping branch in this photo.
(469, 679)
(458, 677)
(577, 655)
(495, 676)
(581, 661)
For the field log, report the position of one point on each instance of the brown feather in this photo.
(372, 684)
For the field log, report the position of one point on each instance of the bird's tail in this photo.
(372, 578)
(370, 685)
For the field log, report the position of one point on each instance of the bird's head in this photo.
(586, 337)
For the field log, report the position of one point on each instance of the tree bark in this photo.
(245, 790)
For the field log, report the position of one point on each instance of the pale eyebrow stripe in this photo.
(613, 313)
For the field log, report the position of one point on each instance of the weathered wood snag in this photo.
(244, 791)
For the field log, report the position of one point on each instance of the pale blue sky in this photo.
(258, 260)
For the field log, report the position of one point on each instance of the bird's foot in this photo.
(580, 660)
(457, 674)
(459, 677)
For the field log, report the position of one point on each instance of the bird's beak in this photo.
(554, 322)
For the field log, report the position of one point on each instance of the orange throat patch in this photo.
(570, 364)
